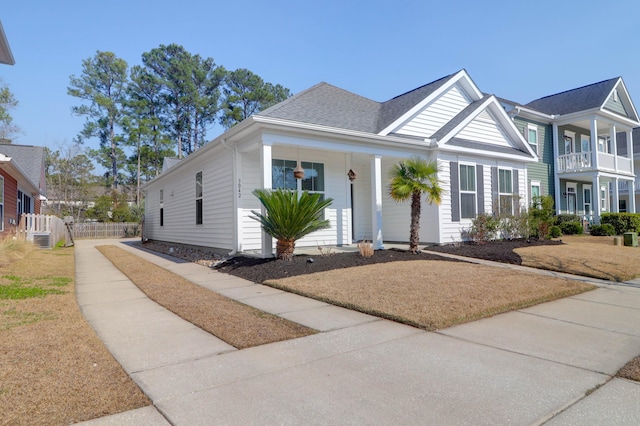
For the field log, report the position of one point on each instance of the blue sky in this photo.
(519, 50)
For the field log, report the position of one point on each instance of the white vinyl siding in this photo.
(484, 129)
(179, 193)
(436, 114)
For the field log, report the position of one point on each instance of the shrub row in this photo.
(621, 222)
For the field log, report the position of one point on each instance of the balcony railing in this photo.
(581, 161)
(574, 162)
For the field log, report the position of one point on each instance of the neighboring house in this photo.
(6, 57)
(585, 140)
(22, 183)
(346, 144)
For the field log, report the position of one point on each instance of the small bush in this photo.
(555, 231)
(541, 217)
(483, 228)
(605, 230)
(622, 222)
(571, 228)
(564, 218)
(365, 248)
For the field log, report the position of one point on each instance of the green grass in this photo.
(23, 288)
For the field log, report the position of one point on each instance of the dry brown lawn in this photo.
(53, 368)
(237, 324)
(430, 294)
(585, 255)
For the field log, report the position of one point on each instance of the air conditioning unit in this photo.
(42, 240)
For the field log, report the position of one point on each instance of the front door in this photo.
(572, 199)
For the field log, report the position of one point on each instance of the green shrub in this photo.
(483, 228)
(541, 217)
(571, 228)
(555, 231)
(605, 230)
(564, 218)
(622, 222)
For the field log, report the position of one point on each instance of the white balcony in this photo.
(574, 162)
(581, 161)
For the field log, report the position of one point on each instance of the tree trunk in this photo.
(284, 250)
(414, 236)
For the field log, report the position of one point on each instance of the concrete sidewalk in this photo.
(552, 362)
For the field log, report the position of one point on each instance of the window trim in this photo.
(502, 194)
(199, 199)
(535, 184)
(586, 187)
(571, 138)
(534, 128)
(473, 192)
(584, 138)
(603, 196)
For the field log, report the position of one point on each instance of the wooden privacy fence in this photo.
(105, 230)
(44, 230)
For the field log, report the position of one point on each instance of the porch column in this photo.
(630, 152)
(265, 161)
(556, 179)
(596, 199)
(594, 143)
(632, 196)
(614, 145)
(376, 202)
(616, 199)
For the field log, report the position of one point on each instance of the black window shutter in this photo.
(455, 191)
(480, 188)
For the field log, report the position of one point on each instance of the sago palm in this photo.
(290, 216)
(409, 180)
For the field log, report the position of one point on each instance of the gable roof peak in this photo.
(579, 99)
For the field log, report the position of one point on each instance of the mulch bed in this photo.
(260, 270)
(498, 251)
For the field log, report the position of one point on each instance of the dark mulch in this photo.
(259, 270)
(499, 251)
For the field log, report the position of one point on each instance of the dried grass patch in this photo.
(53, 368)
(430, 294)
(631, 371)
(237, 324)
(589, 256)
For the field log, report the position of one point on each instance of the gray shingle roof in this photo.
(396, 107)
(328, 105)
(331, 106)
(465, 143)
(580, 99)
(30, 159)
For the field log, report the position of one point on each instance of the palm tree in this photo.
(290, 216)
(409, 180)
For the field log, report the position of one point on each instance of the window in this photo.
(603, 198)
(536, 192)
(622, 206)
(586, 197)
(585, 143)
(282, 174)
(604, 144)
(505, 188)
(313, 177)
(568, 142)
(572, 198)
(199, 198)
(532, 137)
(1, 203)
(467, 191)
(162, 207)
(615, 96)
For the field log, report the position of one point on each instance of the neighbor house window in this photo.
(568, 142)
(162, 207)
(532, 137)
(1, 203)
(586, 198)
(604, 144)
(585, 143)
(505, 191)
(199, 198)
(535, 192)
(467, 191)
(282, 174)
(603, 198)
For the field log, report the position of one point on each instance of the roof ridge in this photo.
(577, 88)
(423, 86)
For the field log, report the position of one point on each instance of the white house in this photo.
(206, 199)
